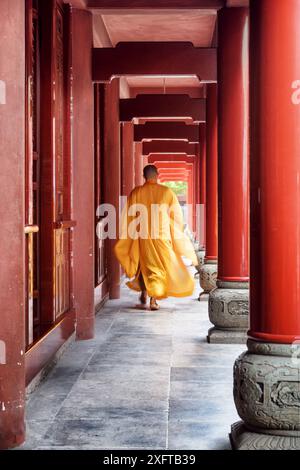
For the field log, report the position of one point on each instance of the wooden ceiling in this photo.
(194, 21)
(195, 26)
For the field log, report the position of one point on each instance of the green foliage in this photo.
(179, 187)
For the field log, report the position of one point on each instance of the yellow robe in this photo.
(157, 257)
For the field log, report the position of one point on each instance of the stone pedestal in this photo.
(208, 278)
(200, 253)
(229, 312)
(267, 397)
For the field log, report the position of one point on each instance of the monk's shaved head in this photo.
(150, 171)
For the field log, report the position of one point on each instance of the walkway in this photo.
(148, 380)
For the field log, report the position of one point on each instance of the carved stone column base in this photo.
(203, 297)
(219, 336)
(228, 311)
(243, 439)
(267, 397)
(208, 276)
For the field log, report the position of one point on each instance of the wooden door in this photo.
(100, 222)
(32, 170)
(48, 165)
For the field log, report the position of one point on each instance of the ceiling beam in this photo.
(170, 146)
(163, 106)
(166, 130)
(192, 91)
(154, 58)
(114, 5)
(169, 157)
(173, 165)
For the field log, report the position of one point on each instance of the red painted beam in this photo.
(170, 164)
(148, 4)
(166, 130)
(170, 146)
(170, 172)
(151, 4)
(193, 92)
(175, 177)
(168, 169)
(166, 157)
(188, 120)
(154, 58)
(163, 106)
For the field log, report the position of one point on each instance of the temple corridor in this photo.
(147, 380)
(181, 112)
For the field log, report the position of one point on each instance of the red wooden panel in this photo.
(43, 350)
(166, 130)
(164, 157)
(154, 58)
(55, 238)
(148, 4)
(62, 271)
(163, 106)
(170, 146)
(83, 174)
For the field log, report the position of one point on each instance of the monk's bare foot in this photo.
(153, 304)
(143, 298)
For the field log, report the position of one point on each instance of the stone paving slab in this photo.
(148, 380)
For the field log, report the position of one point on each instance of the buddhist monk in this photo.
(152, 243)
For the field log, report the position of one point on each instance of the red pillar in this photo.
(112, 176)
(196, 194)
(212, 175)
(12, 237)
(233, 73)
(190, 198)
(202, 184)
(270, 368)
(208, 272)
(275, 169)
(233, 179)
(192, 182)
(139, 180)
(83, 174)
(128, 173)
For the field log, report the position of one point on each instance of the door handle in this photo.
(31, 229)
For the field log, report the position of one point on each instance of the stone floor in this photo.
(148, 380)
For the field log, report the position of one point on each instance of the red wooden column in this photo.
(190, 198)
(112, 176)
(128, 170)
(202, 185)
(208, 272)
(197, 194)
(139, 179)
(83, 175)
(231, 321)
(12, 236)
(267, 377)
